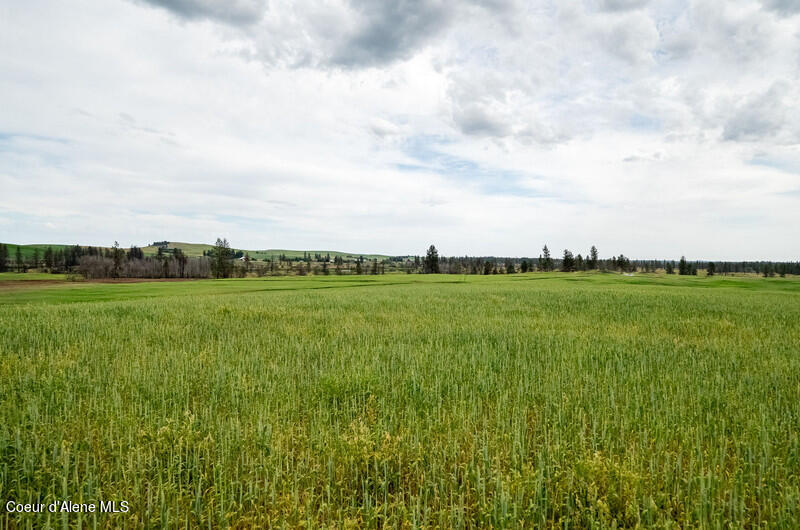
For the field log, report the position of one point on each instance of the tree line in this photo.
(570, 262)
(224, 262)
(97, 262)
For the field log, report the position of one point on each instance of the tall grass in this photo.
(493, 402)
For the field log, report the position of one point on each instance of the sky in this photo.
(650, 128)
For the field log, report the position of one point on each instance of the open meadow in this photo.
(535, 400)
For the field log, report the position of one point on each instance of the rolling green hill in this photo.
(197, 249)
(28, 250)
(190, 249)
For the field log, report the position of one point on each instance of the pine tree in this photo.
(711, 269)
(593, 258)
(3, 257)
(546, 261)
(510, 267)
(623, 263)
(117, 255)
(431, 261)
(20, 262)
(683, 267)
(181, 258)
(567, 262)
(669, 267)
(523, 267)
(48, 258)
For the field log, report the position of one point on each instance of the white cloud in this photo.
(764, 116)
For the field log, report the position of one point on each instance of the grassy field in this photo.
(31, 276)
(536, 400)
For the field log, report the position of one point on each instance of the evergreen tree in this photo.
(711, 269)
(510, 267)
(567, 262)
(431, 261)
(36, 259)
(546, 261)
(623, 263)
(592, 261)
(523, 267)
(117, 254)
(3, 257)
(20, 262)
(683, 267)
(48, 258)
(669, 267)
(181, 258)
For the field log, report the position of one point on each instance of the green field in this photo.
(30, 276)
(569, 400)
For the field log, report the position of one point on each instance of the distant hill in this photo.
(28, 250)
(196, 249)
(190, 249)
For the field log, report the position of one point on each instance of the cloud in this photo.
(349, 34)
(622, 5)
(784, 7)
(632, 38)
(235, 12)
(475, 119)
(388, 31)
(383, 128)
(760, 116)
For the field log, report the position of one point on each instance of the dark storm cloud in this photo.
(235, 12)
